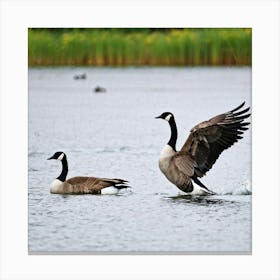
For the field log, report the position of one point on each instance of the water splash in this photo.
(243, 189)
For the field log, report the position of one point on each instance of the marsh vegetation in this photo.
(123, 47)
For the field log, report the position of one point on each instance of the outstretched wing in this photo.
(209, 139)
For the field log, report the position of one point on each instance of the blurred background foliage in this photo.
(139, 46)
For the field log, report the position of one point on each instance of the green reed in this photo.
(122, 47)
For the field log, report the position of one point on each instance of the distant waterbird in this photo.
(205, 143)
(82, 184)
(80, 76)
(99, 89)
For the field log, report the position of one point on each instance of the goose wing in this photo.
(181, 170)
(93, 185)
(184, 163)
(209, 139)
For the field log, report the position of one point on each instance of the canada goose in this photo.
(83, 185)
(99, 89)
(202, 148)
(80, 76)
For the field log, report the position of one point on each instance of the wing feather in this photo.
(92, 185)
(209, 139)
(184, 163)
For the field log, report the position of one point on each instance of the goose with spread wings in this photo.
(202, 148)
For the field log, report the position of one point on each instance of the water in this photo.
(114, 134)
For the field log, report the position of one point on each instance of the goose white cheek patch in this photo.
(60, 157)
(167, 118)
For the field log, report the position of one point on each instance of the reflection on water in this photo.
(115, 135)
(205, 200)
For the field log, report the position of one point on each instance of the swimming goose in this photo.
(83, 185)
(202, 148)
(80, 76)
(99, 89)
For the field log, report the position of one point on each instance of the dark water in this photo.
(114, 134)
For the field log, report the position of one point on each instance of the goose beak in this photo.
(159, 117)
(50, 158)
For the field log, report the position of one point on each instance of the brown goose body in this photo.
(202, 148)
(82, 184)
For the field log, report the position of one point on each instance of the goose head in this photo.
(58, 156)
(166, 116)
(62, 177)
(169, 117)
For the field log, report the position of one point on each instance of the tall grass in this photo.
(202, 46)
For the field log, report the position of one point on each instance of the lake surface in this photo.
(114, 134)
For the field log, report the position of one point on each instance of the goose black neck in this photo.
(63, 174)
(173, 138)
